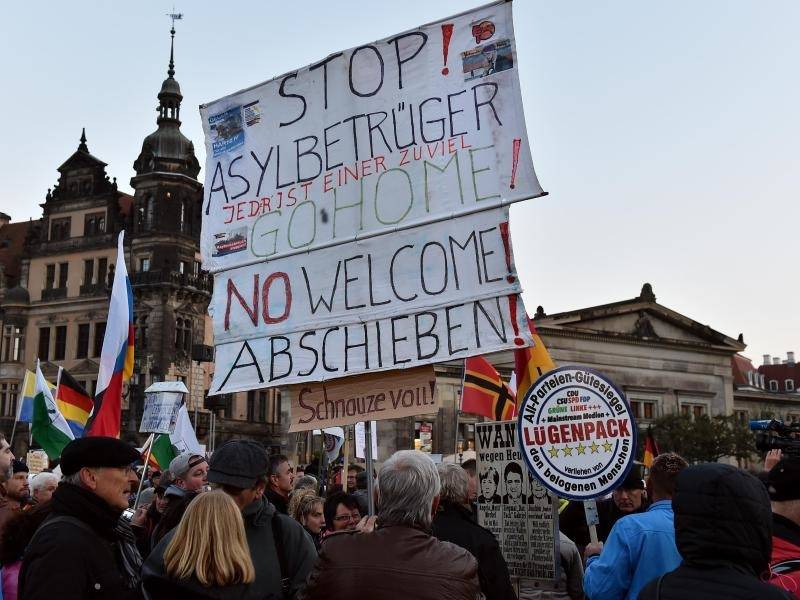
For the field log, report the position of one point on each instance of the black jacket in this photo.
(723, 530)
(279, 502)
(68, 561)
(455, 524)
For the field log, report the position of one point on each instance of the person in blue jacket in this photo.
(640, 547)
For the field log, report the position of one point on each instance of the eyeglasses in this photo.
(351, 517)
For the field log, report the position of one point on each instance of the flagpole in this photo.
(150, 441)
(20, 401)
(345, 463)
(58, 380)
(457, 409)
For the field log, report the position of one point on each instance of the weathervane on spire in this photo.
(175, 16)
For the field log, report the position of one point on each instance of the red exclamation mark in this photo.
(515, 160)
(512, 309)
(447, 33)
(504, 234)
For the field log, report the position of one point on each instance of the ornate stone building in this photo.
(55, 275)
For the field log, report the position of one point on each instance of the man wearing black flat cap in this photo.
(84, 549)
(282, 552)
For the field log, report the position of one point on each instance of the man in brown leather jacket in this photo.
(399, 559)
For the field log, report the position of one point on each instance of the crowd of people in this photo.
(243, 524)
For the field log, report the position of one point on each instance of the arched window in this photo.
(183, 335)
(789, 385)
(773, 385)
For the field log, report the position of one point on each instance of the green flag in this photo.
(49, 427)
(161, 453)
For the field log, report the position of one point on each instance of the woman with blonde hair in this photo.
(305, 507)
(208, 555)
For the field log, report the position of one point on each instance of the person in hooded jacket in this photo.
(723, 530)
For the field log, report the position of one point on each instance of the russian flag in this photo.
(116, 358)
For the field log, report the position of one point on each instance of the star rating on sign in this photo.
(607, 446)
(581, 448)
(594, 447)
(553, 452)
(567, 450)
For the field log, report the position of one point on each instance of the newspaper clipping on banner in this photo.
(514, 506)
(355, 211)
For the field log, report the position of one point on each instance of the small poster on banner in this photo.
(514, 506)
(160, 412)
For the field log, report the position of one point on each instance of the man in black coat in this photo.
(454, 523)
(84, 549)
(723, 530)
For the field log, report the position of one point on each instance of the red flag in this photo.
(485, 393)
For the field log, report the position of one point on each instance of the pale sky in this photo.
(666, 134)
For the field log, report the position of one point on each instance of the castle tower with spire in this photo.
(171, 294)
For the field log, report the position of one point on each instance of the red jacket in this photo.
(785, 562)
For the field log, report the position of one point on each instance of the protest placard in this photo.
(162, 403)
(418, 127)
(515, 507)
(577, 432)
(361, 440)
(401, 393)
(380, 241)
(430, 266)
(37, 461)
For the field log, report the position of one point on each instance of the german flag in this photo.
(485, 393)
(73, 402)
(531, 363)
(650, 448)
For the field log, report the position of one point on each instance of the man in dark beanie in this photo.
(783, 485)
(85, 549)
(723, 530)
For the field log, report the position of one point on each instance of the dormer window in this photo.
(789, 385)
(94, 224)
(60, 229)
(773, 385)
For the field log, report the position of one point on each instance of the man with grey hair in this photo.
(455, 523)
(399, 558)
(42, 487)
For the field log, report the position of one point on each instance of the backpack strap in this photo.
(61, 519)
(277, 537)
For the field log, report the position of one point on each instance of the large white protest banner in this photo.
(418, 127)
(397, 342)
(430, 266)
(356, 211)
